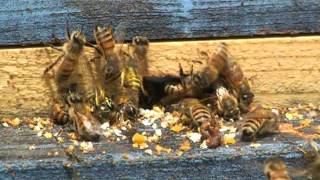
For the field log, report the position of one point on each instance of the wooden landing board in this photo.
(282, 71)
(36, 21)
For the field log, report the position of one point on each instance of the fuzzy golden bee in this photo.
(71, 52)
(276, 169)
(259, 122)
(238, 82)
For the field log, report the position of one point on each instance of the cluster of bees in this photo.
(120, 88)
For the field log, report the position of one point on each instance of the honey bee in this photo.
(276, 169)
(180, 87)
(71, 52)
(236, 79)
(193, 113)
(86, 125)
(139, 49)
(195, 84)
(259, 122)
(109, 65)
(227, 104)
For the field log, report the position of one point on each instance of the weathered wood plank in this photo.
(35, 21)
(281, 70)
(121, 161)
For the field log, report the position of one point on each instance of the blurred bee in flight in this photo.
(276, 169)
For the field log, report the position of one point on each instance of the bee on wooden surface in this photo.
(276, 169)
(193, 113)
(127, 103)
(108, 64)
(179, 87)
(227, 104)
(71, 52)
(236, 79)
(259, 122)
(86, 125)
(194, 84)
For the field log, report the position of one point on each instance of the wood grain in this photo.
(36, 21)
(282, 71)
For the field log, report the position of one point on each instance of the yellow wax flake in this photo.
(47, 135)
(72, 136)
(289, 116)
(229, 139)
(161, 149)
(32, 147)
(255, 145)
(177, 128)
(15, 122)
(60, 140)
(125, 156)
(138, 139)
(70, 149)
(148, 151)
(86, 147)
(305, 123)
(185, 146)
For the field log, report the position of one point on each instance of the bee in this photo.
(193, 113)
(196, 83)
(71, 52)
(86, 125)
(109, 64)
(259, 122)
(227, 104)
(127, 104)
(139, 49)
(179, 87)
(239, 83)
(276, 169)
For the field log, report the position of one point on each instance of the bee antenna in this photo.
(81, 29)
(67, 29)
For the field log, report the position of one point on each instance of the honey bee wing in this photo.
(120, 32)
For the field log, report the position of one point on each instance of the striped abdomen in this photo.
(251, 128)
(66, 68)
(173, 88)
(200, 113)
(104, 37)
(132, 79)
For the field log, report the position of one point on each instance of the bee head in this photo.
(230, 108)
(245, 94)
(78, 37)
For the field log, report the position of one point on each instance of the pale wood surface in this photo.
(282, 71)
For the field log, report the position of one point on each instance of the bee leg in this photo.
(53, 64)
(52, 46)
(93, 46)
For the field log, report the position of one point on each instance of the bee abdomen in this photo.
(173, 89)
(200, 113)
(250, 128)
